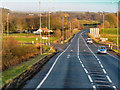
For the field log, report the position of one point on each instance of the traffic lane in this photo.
(33, 83)
(67, 67)
(97, 45)
(110, 64)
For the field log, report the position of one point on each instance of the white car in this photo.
(102, 49)
(89, 41)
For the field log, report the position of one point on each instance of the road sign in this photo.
(44, 37)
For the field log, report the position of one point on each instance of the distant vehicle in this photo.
(102, 49)
(89, 41)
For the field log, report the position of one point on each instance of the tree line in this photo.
(27, 21)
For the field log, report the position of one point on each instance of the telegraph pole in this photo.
(40, 29)
(49, 26)
(46, 27)
(118, 26)
(103, 23)
(7, 24)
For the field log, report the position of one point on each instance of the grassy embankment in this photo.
(74, 32)
(13, 72)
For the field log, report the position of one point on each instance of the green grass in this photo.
(28, 38)
(112, 31)
(118, 51)
(11, 73)
(111, 34)
(88, 22)
(19, 34)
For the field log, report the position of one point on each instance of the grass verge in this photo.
(13, 72)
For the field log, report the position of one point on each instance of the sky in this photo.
(61, 5)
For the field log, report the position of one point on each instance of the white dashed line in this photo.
(98, 61)
(82, 65)
(115, 87)
(90, 78)
(109, 79)
(94, 87)
(86, 70)
(104, 71)
(40, 84)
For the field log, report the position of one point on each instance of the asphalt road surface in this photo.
(79, 66)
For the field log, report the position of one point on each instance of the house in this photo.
(43, 30)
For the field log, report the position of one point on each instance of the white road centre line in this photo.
(89, 77)
(40, 84)
(83, 66)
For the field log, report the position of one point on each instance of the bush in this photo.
(14, 53)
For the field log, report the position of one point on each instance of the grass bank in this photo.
(13, 72)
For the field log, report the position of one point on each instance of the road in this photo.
(79, 66)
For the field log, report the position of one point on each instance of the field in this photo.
(110, 33)
(88, 22)
(29, 38)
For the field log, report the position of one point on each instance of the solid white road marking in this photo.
(40, 84)
(51, 69)
(112, 56)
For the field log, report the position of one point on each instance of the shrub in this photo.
(14, 53)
